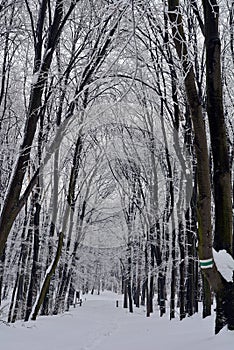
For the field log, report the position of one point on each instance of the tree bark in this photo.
(48, 276)
(222, 174)
(206, 298)
(216, 281)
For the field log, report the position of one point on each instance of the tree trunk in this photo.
(215, 279)
(2, 263)
(129, 280)
(48, 276)
(182, 271)
(218, 133)
(33, 286)
(206, 299)
(13, 202)
(125, 301)
(173, 276)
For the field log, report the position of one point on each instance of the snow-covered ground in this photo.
(99, 325)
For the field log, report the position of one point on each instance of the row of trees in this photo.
(116, 136)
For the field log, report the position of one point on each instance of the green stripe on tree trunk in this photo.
(208, 263)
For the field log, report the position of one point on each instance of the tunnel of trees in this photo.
(116, 157)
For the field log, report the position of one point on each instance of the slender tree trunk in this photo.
(146, 284)
(129, 281)
(137, 277)
(48, 276)
(33, 286)
(125, 301)
(2, 263)
(19, 297)
(143, 292)
(182, 271)
(13, 202)
(173, 275)
(13, 299)
(162, 293)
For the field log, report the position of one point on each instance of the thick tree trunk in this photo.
(223, 236)
(206, 297)
(222, 175)
(215, 279)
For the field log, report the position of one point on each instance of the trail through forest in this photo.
(99, 325)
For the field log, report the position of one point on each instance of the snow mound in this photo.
(224, 263)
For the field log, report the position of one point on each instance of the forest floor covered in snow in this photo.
(99, 325)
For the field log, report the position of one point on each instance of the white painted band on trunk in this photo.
(206, 266)
(206, 260)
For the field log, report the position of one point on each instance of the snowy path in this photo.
(99, 325)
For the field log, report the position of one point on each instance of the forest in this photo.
(116, 157)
